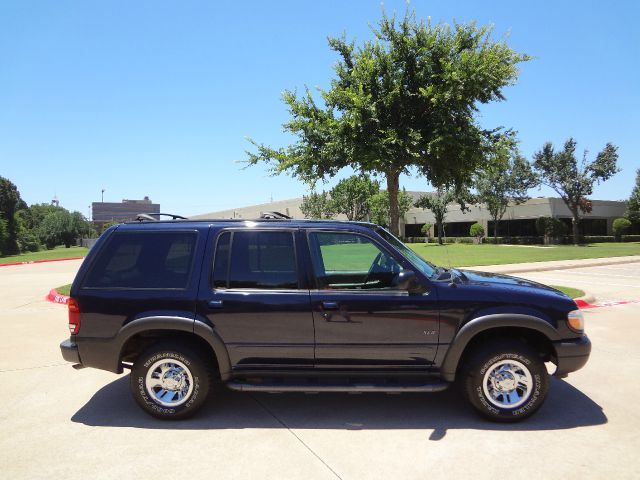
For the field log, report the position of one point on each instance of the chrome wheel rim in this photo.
(169, 382)
(507, 384)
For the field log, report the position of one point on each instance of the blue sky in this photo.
(157, 97)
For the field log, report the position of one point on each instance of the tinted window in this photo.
(263, 260)
(221, 261)
(144, 260)
(350, 261)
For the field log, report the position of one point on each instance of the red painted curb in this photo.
(55, 297)
(582, 304)
(40, 261)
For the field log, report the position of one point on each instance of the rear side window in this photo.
(144, 260)
(264, 260)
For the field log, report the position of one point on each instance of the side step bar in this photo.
(361, 388)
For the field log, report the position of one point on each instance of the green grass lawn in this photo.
(65, 289)
(465, 255)
(58, 252)
(572, 292)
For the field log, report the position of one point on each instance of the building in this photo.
(108, 212)
(518, 220)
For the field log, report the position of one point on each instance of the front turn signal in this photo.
(575, 319)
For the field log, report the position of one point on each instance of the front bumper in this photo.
(571, 355)
(69, 351)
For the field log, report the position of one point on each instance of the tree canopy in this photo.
(407, 98)
(317, 205)
(574, 180)
(633, 205)
(351, 196)
(506, 177)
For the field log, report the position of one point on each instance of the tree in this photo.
(317, 205)
(438, 202)
(426, 231)
(620, 227)
(380, 206)
(10, 204)
(63, 227)
(351, 196)
(407, 98)
(506, 177)
(572, 181)
(633, 205)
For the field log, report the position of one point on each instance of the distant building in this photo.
(107, 212)
(519, 220)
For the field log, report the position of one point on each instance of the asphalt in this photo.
(59, 422)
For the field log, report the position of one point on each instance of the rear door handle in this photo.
(215, 304)
(330, 305)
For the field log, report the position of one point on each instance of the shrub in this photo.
(550, 227)
(476, 230)
(620, 226)
(630, 238)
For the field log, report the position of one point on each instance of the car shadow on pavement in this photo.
(566, 407)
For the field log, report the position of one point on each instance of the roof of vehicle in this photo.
(226, 222)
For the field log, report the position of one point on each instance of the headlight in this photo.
(575, 319)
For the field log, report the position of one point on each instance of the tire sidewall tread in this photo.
(489, 354)
(200, 370)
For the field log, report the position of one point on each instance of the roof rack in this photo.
(274, 215)
(141, 217)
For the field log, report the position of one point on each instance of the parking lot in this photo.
(59, 422)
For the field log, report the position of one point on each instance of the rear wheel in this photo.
(505, 380)
(171, 380)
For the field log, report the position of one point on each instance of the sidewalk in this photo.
(555, 265)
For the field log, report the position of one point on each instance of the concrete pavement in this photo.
(58, 422)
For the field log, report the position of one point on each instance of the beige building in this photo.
(519, 220)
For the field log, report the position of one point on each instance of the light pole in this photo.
(103, 195)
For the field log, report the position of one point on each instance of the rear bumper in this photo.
(69, 351)
(572, 354)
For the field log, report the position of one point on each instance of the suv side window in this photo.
(144, 260)
(343, 260)
(257, 259)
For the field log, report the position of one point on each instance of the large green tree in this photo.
(506, 177)
(317, 205)
(351, 196)
(573, 180)
(633, 205)
(407, 98)
(64, 227)
(438, 202)
(10, 204)
(380, 206)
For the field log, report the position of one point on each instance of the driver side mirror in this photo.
(407, 280)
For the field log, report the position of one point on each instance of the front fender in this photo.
(486, 322)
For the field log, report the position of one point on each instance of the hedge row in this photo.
(532, 240)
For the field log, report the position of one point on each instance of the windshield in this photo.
(427, 268)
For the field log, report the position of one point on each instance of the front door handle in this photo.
(330, 305)
(215, 304)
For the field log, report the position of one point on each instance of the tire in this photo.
(505, 380)
(171, 381)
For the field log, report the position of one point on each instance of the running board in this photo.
(360, 388)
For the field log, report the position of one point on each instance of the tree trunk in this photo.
(393, 187)
(575, 226)
(495, 231)
(439, 222)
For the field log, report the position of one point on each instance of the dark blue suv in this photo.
(313, 306)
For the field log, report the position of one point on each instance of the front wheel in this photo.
(505, 380)
(170, 381)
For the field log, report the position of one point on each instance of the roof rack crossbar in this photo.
(272, 215)
(149, 216)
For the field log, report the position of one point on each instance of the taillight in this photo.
(74, 316)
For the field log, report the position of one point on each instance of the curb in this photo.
(40, 261)
(544, 268)
(54, 297)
